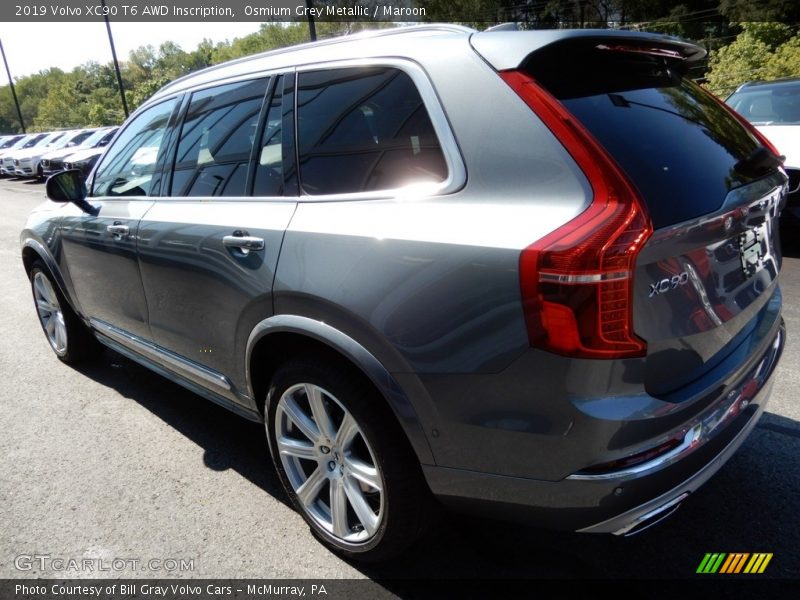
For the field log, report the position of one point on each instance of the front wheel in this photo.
(344, 462)
(68, 336)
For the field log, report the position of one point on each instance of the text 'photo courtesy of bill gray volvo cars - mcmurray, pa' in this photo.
(529, 274)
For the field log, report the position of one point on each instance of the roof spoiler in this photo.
(504, 49)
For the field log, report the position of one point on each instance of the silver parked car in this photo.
(526, 274)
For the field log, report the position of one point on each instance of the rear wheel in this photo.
(344, 461)
(68, 336)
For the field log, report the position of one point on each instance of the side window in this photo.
(216, 140)
(127, 168)
(269, 167)
(364, 129)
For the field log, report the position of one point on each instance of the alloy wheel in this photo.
(50, 313)
(329, 463)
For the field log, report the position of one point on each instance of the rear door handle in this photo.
(243, 242)
(117, 229)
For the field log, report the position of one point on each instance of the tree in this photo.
(760, 51)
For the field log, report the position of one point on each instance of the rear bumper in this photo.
(623, 501)
(643, 514)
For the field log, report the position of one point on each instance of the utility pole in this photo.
(312, 28)
(11, 84)
(116, 62)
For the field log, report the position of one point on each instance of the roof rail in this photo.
(366, 34)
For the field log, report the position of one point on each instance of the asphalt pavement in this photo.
(109, 461)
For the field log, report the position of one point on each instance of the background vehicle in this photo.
(774, 108)
(28, 141)
(85, 159)
(93, 145)
(9, 140)
(529, 311)
(29, 164)
(11, 161)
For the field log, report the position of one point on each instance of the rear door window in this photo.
(364, 129)
(217, 139)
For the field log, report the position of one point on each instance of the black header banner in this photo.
(212, 11)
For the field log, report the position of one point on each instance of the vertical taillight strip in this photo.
(577, 282)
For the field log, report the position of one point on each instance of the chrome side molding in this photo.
(163, 356)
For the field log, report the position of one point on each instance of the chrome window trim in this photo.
(456, 171)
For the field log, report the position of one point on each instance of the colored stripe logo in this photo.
(734, 562)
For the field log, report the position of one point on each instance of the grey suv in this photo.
(525, 274)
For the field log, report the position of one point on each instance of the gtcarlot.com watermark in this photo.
(64, 564)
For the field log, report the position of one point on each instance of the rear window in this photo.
(677, 144)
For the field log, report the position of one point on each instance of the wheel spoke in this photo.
(339, 508)
(297, 448)
(44, 306)
(309, 491)
(50, 326)
(319, 411)
(299, 418)
(42, 289)
(364, 473)
(360, 506)
(61, 336)
(347, 431)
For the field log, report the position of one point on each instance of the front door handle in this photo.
(118, 230)
(243, 241)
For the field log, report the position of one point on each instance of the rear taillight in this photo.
(577, 282)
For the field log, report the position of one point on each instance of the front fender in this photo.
(44, 253)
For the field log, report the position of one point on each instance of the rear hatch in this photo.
(703, 281)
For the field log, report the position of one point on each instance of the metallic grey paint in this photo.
(419, 289)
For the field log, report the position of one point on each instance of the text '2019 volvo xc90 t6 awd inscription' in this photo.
(525, 274)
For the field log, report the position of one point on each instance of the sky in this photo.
(31, 47)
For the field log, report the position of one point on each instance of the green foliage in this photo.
(762, 51)
(88, 94)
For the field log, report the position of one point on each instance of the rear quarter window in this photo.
(364, 129)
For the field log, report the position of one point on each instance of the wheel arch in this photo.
(279, 337)
(32, 251)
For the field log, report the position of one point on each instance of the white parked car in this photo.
(27, 141)
(9, 140)
(774, 108)
(29, 163)
(11, 160)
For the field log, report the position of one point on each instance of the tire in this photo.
(69, 338)
(361, 463)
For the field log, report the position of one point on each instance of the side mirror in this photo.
(68, 186)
